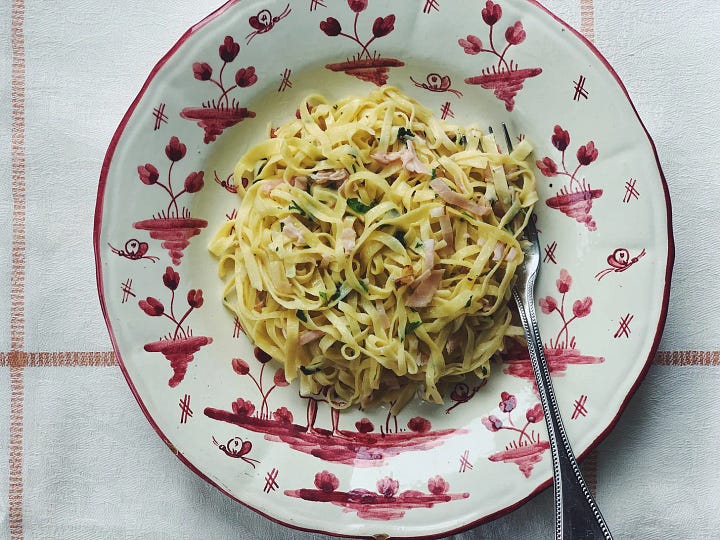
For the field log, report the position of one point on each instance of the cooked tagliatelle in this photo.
(374, 248)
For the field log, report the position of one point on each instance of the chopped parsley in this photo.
(410, 327)
(467, 304)
(324, 296)
(364, 286)
(404, 133)
(294, 207)
(301, 315)
(433, 176)
(359, 207)
(399, 235)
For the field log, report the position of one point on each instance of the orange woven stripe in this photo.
(587, 19)
(16, 453)
(17, 275)
(71, 359)
(687, 358)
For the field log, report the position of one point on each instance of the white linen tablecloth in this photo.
(77, 457)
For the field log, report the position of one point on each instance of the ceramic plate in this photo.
(222, 405)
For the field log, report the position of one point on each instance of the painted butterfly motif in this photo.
(134, 250)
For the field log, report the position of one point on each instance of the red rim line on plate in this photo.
(98, 266)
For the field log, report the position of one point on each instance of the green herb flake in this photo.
(260, 170)
(294, 207)
(400, 237)
(404, 133)
(467, 304)
(410, 327)
(324, 296)
(301, 315)
(364, 286)
(433, 176)
(309, 371)
(418, 245)
(336, 294)
(359, 207)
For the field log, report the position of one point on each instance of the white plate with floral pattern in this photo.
(225, 408)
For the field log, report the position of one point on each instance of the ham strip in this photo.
(428, 284)
(347, 237)
(299, 182)
(328, 177)
(407, 155)
(310, 336)
(269, 185)
(455, 199)
(290, 230)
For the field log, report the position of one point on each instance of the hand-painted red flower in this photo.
(229, 49)
(283, 415)
(243, 407)
(194, 182)
(195, 298)
(202, 71)
(279, 378)
(548, 304)
(175, 150)
(171, 278)
(534, 414)
(547, 166)
(246, 77)
(152, 306)
(364, 425)
(581, 308)
(515, 34)
(491, 13)
(471, 44)
(358, 5)
(437, 485)
(563, 284)
(326, 481)
(560, 138)
(148, 174)
(388, 487)
(492, 422)
(261, 355)
(331, 26)
(240, 366)
(508, 402)
(587, 154)
(419, 424)
(383, 26)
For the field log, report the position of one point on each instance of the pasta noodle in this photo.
(374, 248)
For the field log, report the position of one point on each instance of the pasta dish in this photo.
(375, 247)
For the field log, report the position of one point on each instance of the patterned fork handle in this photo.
(577, 516)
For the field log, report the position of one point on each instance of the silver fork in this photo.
(577, 515)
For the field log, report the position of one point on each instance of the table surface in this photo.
(77, 457)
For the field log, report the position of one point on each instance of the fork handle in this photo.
(577, 516)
